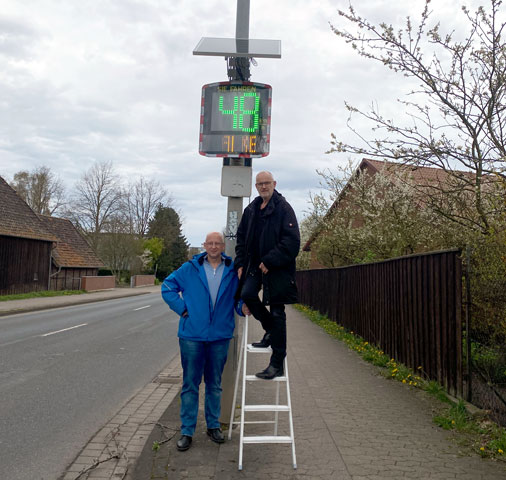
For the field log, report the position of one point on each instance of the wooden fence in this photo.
(410, 307)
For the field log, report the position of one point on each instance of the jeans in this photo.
(197, 358)
(273, 322)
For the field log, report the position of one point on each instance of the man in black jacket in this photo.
(268, 242)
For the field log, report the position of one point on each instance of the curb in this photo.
(113, 451)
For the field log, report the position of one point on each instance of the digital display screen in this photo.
(235, 119)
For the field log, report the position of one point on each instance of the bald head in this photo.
(265, 185)
(214, 245)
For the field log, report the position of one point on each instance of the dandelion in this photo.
(366, 343)
(403, 380)
(482, 449)
(500, 451)
(453, 422)
(395, 370)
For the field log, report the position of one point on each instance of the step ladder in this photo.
(276, 408)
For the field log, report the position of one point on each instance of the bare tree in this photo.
(457, 116)
(40, 189)
(142, 199)
(98, 200)
(118, 248)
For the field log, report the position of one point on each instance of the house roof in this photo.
(421, 176)
(17, 219)
(71, 249)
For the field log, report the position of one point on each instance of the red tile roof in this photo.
(72, 250)
(17, 219)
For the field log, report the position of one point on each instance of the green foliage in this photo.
(153, 248)
(490, 362)
(45, 293)
(488, 293)
(456, 417)
(436, 390)
(166, 225)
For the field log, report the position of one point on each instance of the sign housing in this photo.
(235, 119)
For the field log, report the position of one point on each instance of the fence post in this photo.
(469, 393)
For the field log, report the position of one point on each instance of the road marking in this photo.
(63, 330)
(140, 308)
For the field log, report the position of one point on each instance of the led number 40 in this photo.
(238, 112)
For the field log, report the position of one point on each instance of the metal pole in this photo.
(242, 19)
(234, 213)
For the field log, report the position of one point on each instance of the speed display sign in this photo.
(235, 119)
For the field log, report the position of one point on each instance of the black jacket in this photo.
(279, 246)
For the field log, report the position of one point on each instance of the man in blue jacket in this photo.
(202, 291)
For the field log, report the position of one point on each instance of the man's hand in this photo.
(245, 309)
(263, 268)
(239, 274)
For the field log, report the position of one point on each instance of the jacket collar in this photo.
(276, 196)
(200, 257)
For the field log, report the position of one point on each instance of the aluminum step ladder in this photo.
(275, 408)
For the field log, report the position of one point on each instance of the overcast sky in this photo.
(83, 81)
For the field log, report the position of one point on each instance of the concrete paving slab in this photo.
(350, 424)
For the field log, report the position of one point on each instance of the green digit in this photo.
(254, 112)
(230, 112)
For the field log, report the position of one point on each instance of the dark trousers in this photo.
(273, 321)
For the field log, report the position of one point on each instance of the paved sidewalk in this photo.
(350, 423)
(43, 303)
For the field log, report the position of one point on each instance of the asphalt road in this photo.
(65, 372)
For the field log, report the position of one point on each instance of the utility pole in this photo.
(248, 136)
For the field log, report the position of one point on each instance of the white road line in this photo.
(140, 308)
(63, 330)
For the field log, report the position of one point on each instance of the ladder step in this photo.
(266, 408)
(252, 349)
(253, 378)
(267, 439)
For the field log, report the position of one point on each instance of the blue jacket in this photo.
(203, 323)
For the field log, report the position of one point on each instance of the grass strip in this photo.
(45, 293)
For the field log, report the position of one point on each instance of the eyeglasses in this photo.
(213, 244)
(263, 184)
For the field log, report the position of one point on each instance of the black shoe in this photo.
(184, 443)
(270, 372)
(264, 343)
(216, 435)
